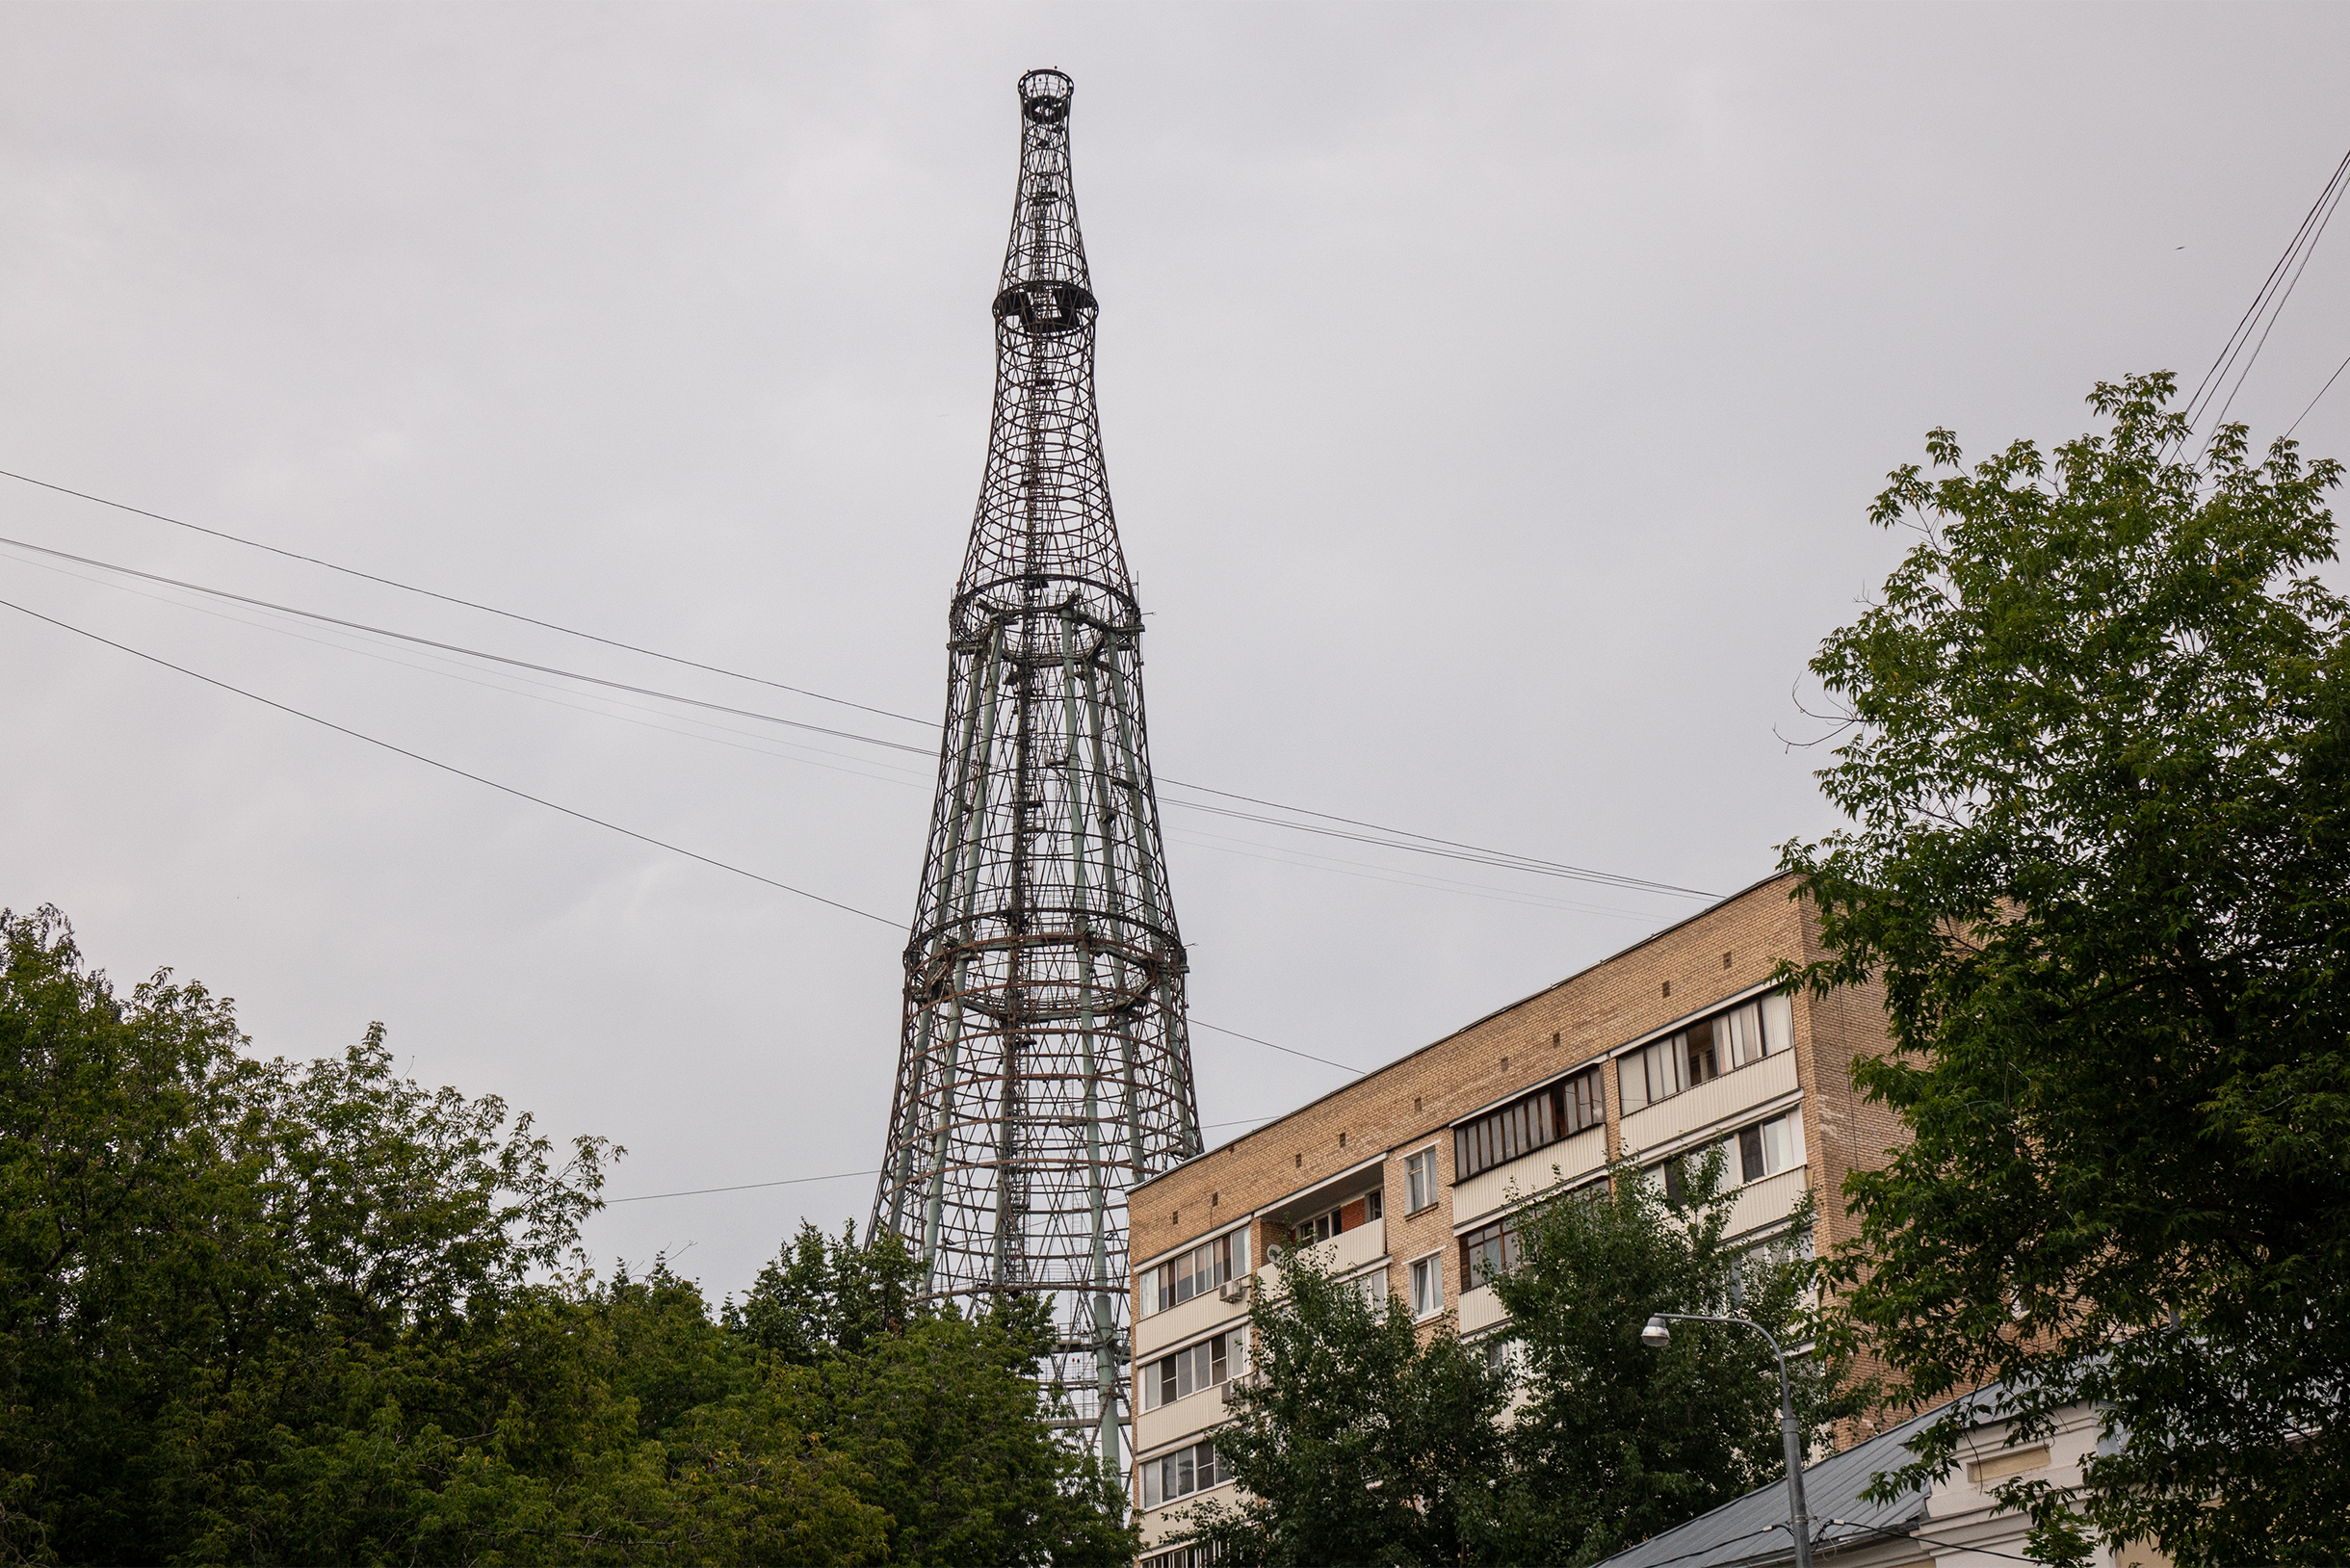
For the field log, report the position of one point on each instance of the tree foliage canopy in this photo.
(258, 1312)
(1365, 1437)
(2098, 777)
(1618, 1441)
(1355, 1440)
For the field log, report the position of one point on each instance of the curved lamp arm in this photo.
(1657, 1336)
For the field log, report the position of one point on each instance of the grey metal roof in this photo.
(1751, 1531)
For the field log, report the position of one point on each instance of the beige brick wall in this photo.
(1709, 958)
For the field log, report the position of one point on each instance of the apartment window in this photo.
(1419, 1181)
(1195, 1272)
(1494, 1249)
(1788, 1246)
(1185, 1556)
(1371, 1287)
(1374, 1205)
(1585, 1101)
(1553, 1111)
(1705, 1050)
(1192, 1369)
(1178, 1475)
(1768, 1148)
(1677, 1169)
(1428, 1286)
(1319, 1228)
(1505, 1357)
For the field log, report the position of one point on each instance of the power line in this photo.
(2269, 302)
(1371, 870)
(459, 648)
(1497, 859)
(550, 805)
(450, 598)
(1363, 869)
(2285, 298)
(741, 1187)
(450, 768)
(2322, 392)
(1342, 1067)
(456, 669)
(1506, 859)
(1913, 1536)
(844, 1175)
(1396, 838)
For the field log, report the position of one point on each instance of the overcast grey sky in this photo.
(1492, 393)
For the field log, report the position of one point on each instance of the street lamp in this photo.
(1657, 1336)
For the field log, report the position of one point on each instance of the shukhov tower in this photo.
(1043, 1068)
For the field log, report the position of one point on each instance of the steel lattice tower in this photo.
(1044, 1066)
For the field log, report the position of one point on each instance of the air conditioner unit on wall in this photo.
(1234, 1289)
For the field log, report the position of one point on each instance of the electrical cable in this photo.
(1337, 865)
(1714, 1545)
(1525, 863)
(452, 669)
(1198, 1022)
(2207, 387)
(450, 768)
(550, 805)
(844, 1175)
(1500, 859)
(459, 648)
(2336, 188)
(449, 599)
(1606, 879)
(2303, 241)
(1372, 871)
(1910, 1535)
(740, 1186)
(1247, 849)
(2322, 392)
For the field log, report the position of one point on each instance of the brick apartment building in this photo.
(1407, 1176)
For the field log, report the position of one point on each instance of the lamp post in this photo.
(1657, 1336)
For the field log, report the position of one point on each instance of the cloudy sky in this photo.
(1493, 396)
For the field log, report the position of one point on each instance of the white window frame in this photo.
(1430, 1176)
(1434, 1263)
(1235, 1365)
(1146, 1279)
(1775, 1012)
(1372, 1285)
(1504, 1347)
(1154, 1497)
(1793, 1154)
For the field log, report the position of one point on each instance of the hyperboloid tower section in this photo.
(1044, 1066)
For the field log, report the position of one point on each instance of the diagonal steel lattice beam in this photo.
(1044, 1066)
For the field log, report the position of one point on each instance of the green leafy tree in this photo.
(1615, 1441)
(1362, 1437)
(2098, 778)
(824, 1297)
(110, 1153)
(1356, 1438)
(941, 1412)
(556, 1428)
(268, 1313)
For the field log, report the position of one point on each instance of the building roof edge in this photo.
(1656, 936)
